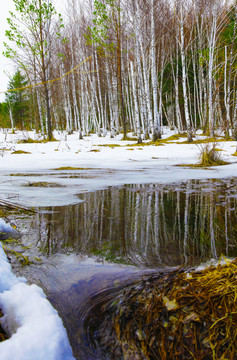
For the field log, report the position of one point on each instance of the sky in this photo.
(7, 67)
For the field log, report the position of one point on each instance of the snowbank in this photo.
(36, 331)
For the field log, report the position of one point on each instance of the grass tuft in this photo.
(209, 156)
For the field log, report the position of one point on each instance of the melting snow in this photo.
(35, 329)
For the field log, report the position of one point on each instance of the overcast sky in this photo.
(7, 66)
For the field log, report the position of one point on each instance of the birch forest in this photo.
(129, 66)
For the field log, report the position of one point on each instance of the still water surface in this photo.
(92, 250)
(145, 225)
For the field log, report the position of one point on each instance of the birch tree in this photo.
(211, 45)
(156, 114)
(184, 76)
(31, 30)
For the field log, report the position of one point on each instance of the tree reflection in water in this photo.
(146, 225)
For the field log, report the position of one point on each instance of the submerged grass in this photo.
(22, 259)
(21, 152)
(71, 168)
(43, 184)
(180, 316)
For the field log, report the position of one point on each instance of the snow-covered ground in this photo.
(37, 331)
(98, 165)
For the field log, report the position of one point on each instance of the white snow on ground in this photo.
(112, 165)
(6, 228)
(37, 332)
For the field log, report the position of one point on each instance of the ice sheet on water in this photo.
(35, 329)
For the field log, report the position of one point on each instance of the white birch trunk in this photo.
(161, 86)
(136, 109)
(144, 70)
(211, 43)
(200, 77)
(93, 101)
(110, 102)
(177, 107)
(100, 98)
(77, 124)
(66, 105)
(40, 111)
(156, 114)
(235, 118)
(184, 79)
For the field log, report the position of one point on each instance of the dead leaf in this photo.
(169, 304)
(191, 317)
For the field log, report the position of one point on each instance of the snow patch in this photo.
(4, 227)
(213, 262)
(6, 230)
(36, 331)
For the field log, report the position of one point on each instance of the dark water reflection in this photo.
(148, 225)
